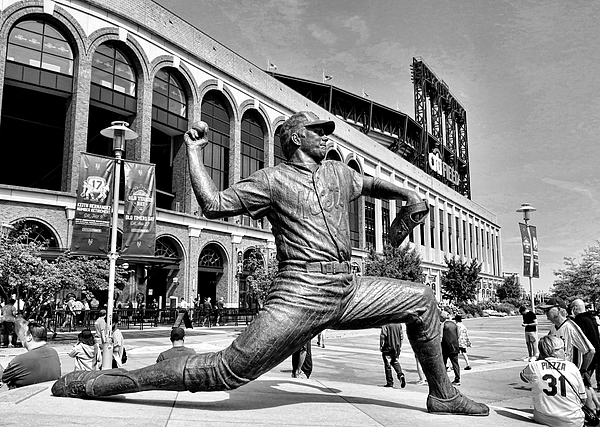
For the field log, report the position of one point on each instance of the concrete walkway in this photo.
(275, 399)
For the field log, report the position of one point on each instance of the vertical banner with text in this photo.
(534, 252)
(526, 240)
(93, 209)
(139, 225)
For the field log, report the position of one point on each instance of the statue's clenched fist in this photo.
(196, 136)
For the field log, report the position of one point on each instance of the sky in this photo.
(526, 71)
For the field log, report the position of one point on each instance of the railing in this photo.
(130, 318)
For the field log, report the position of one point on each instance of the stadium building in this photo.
(70, 68)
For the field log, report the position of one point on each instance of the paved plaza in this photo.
(344, 390)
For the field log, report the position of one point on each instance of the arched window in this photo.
(35, 232)
(333, 155)
(210, 258)
(277, 151)
(353, 213)
(38, 80)
(216, 154)
(169, 102)
(113, 78)
(166, 248)
(169, 120)
(38, 54)
(253, 153)
(113, 94)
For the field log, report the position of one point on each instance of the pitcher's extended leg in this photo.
(378, 301)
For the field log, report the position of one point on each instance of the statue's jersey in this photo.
(307, 206)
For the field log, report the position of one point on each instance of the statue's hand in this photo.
(196, 136)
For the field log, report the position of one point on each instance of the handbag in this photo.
(124, 356)
(591, 419)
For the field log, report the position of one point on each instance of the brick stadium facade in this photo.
(69, 68)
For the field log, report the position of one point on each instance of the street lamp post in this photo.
(526, 210)
(119, 132)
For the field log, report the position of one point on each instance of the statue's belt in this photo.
(323, 267)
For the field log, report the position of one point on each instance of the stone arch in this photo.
(333, 152)
(131, 46)
(248, 105)
(68, 25)
(233, 109)
(351, 159)
(187, 79)
(41, 229)
(213, 266)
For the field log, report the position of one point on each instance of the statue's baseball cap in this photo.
(553, 302)
(177, 334)
(306, 119)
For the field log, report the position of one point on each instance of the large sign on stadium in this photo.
(437, 165)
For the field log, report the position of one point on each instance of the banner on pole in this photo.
(93, 208)
(139, 225)
(534, 252)
(526, 241)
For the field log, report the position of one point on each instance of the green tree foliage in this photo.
(262, 274)
(580, 279)
(23, 271)
(397, 263)
(459, 282)
(509, 289)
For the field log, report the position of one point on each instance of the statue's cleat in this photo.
(90, 384)
(457, 405)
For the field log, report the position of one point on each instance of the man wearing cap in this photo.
(178, 349)
(578, 349)
(306, 201)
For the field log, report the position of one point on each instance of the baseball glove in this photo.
(408, 218)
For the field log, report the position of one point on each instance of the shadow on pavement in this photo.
(247, 399)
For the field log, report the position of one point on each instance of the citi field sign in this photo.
(437, 165)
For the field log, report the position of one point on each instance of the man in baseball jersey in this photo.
(306, 201)
(556, 384)
(578, 349)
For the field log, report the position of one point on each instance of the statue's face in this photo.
(314, 143)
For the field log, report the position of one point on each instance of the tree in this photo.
(509, 289)
(23, 271)
(262, 274)
(397, 263)
(580, 279)
(459, 282)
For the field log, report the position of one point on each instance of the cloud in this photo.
(575, 187)
(323, 35)
(358, 25)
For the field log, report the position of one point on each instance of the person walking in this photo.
(321, 339)
(557, 386)
(118, 343)
(9, 313)
(302, 362)
(531, 335)
(219, 307)
(450, 346)
(390, 345)
(463, 340)
(306, 200)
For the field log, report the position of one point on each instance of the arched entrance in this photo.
(210, 272)
(162, 271)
